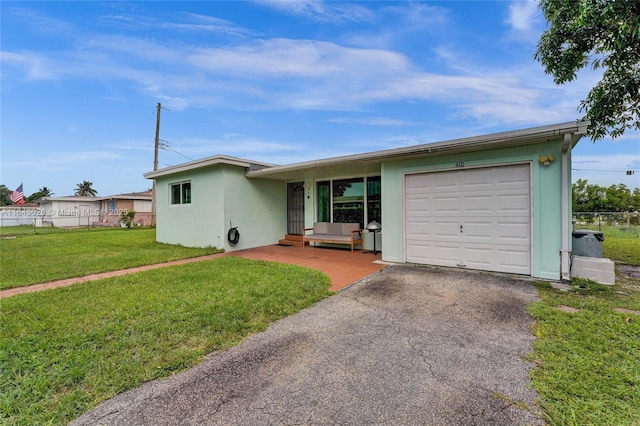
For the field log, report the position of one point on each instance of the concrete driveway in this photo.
(406, 346)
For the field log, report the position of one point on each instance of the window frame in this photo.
(184, 193)
(366, 203)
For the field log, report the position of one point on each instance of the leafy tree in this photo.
(42, 192)
(587, 198)
(5, 193)
(605, 33)
(634, 202)
(85, 188)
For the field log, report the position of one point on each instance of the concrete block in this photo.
(593, 268)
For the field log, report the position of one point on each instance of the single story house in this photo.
(497, 202)
(75, 211)
(111, 206)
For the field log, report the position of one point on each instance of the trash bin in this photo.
(587, 243)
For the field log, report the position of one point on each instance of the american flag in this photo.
(17, 196)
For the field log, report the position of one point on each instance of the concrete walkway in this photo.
(343, 267)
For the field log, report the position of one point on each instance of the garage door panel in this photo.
(492, 208)
(445, 205)
(510, 260)
(441, 182)
(514, 233)
(478, 203)
(513, 203)
(434, 229)
(417, 207)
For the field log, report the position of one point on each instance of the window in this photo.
(324, 202)
(181, 193)
(348, 201)
(374, 206)
(344, 200)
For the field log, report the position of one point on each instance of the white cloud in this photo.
(371, 121)
(320, 11)
(40, 22)
(285, 73)
(283, 58)
(209, 24)
(523, 15)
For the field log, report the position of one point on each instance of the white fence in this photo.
(16, 216)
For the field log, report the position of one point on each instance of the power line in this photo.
(608, 171)
(164, 145)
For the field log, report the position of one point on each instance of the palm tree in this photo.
(45, 192)
(85, 189)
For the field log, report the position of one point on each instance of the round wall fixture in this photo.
(233, 236)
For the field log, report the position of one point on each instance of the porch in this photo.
(342, 266)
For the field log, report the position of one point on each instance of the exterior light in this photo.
(546, 160)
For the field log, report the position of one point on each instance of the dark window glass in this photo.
(348, 201)
(186, 193)
(175, 194)
(374, 206)
(181, 193)
(324, 213)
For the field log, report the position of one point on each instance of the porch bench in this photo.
(335, 233)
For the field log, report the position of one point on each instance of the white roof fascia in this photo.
(204, 162)
(71, 198)
(127, 197)
(495, 140)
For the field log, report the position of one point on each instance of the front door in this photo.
(295, 208)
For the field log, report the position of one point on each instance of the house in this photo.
(76, 211)
(497, 202)
(113, 205)
(69, 211)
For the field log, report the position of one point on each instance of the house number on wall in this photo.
(460, 164)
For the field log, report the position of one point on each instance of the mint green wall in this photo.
(546, 189)
(198, 224)
(258, 207)
(220, 194)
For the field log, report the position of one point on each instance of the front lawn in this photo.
(64, 351)
(55, 254)
(588, 361)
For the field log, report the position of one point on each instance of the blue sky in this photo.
(272, 81)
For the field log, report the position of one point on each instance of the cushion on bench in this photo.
(334, 233)
(320, 228)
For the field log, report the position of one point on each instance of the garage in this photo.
(476, 218)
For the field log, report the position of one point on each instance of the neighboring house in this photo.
(113, 205)
(498, 202)
(75, 211)
(69, 211)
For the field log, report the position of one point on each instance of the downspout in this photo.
(565, 251)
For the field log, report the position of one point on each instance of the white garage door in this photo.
(472, 218)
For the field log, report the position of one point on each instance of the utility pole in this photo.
(155, 164)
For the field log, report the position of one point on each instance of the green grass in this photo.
(64, 351)
(55, 254)
(621, 244)
(588, 362)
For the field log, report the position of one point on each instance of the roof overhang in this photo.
(476, 143)
(207, 162)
